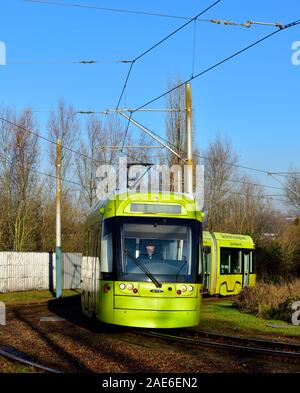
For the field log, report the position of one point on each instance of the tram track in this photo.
(16, 356)
(237, 344)
(184, 336)
(246, 340)
(194, 337)
(132, 342)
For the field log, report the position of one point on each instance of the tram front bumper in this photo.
(149, 308)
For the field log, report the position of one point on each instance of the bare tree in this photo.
(142, 153)
(88, 162)
(113, 135)
(220, 174)
(19, 183)
(247, 210)
(101, 146)
(292, 190)
(63, 124)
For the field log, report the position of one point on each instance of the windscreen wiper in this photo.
(144, 269)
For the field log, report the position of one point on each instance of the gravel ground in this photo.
(71, 344)
(7, 366)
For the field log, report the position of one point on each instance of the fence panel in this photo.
(21, 271)
(71, 270)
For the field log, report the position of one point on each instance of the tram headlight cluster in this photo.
(188, 289)
(129, 287)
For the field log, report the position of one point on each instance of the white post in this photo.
(58, 222)
(189, 170)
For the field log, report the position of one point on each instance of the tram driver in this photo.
(151, 254)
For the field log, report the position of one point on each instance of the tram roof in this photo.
(131, 203)
(229, 239)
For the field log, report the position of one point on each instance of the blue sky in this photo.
(252, 99)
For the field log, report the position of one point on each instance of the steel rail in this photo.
(207, 343)
(20, 359)
(258, 341)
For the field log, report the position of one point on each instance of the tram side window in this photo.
(106, 248)
(252, 262)
(206, 257)
(231, 261)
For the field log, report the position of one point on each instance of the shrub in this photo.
(268, 300)
(284, 310)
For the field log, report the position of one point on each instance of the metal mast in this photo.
(189, 165)
(58, 222)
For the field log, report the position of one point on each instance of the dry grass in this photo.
(265, 300)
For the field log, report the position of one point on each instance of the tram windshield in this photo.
(164, 249)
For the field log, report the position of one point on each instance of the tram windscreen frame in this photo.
(176, 255)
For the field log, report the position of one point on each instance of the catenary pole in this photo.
(189, 164)
(58, 222)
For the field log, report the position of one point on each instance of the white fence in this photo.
(21, 271)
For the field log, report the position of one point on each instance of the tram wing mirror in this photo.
(206, 249)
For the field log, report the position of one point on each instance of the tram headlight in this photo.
(130, 287)
(183, 288)
(190, 288)
(122, 286)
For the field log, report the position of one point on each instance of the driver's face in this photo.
(150, 249)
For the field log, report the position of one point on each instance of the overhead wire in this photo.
(280, 27)
(125, 84)
(39, 172)
(247, 24)
(193, 77)
(126, 154)
(210, 159)
(118, 10)
(254, 184)
(292, 24)
(269, 198)
(70, 62)
(209, 69)
(126, 132)
(226, 59)
(285, 185)
(159, 43)
(48, 140)
(54, 142)
(176, 31)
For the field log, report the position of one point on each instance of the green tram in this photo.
(143, 265)
(228, 263)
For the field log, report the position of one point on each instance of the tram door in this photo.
(246, 270)
(206, 268)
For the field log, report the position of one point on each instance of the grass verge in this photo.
(34, 296)
(221, 317)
